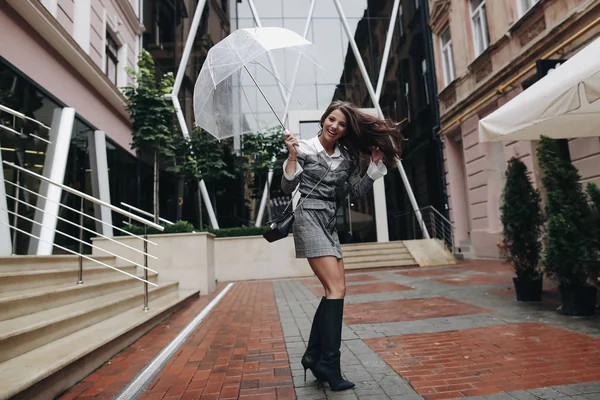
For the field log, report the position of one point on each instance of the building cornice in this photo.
(59, 39)
(536, 49)
(439, 16)
(132, 18)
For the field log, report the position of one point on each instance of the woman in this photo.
(318, 167)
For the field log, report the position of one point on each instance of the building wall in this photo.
(475, 170)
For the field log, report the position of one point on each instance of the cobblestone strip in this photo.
(374, 379)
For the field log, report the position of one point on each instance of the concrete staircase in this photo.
(377, 255)
(54, 332)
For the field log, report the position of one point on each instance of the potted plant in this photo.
(522, 220)
(568, 254)
(594, 195)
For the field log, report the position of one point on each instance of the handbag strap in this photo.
(312, 190)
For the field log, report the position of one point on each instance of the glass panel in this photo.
(309, 129)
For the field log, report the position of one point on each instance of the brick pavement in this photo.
(408, 334)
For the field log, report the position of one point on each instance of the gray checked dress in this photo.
(315, 233)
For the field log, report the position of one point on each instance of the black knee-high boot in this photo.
(328, 366)
(313, 348)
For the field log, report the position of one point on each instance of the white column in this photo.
(100, 182)
(51, 6)
(5, 238)
(82, 23)
(55, 165)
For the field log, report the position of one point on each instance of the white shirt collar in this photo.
(320, 149)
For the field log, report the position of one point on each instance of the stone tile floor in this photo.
(433, 333)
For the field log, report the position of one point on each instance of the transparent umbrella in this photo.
(222, 106)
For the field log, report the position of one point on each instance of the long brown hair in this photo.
(364, 131)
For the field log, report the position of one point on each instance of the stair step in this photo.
(21, 373)
(23, 334)
(373, 246)
(367, 252)
(376, 258)
(21, 280)
(33, 263)
(17, 304)
(380, 264)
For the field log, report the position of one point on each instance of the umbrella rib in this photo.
(250, 105)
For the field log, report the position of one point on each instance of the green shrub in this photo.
(522, 220)
(568, 245)
(241, 231)
(186, 227)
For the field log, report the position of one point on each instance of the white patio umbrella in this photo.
(563, 104)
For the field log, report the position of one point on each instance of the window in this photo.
(424, 76)
(481, 36)
(401, 20)
(525, 5)
(112, 58)
(447, 58)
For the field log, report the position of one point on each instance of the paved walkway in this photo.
(433, 333)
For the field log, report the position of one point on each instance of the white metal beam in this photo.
(386, 50)
(100, 181)
(55, 166)
(5, 238)
(378, 186)
(288, 99)
(178, 111)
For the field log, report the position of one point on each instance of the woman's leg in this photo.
(330, 272)
(331, 275)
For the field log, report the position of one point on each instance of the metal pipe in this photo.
(77, 211)
(79, 241)
(209, 207)
(146, 213)
(87, 197)
(386, 50)
(146, 308)
(22, 116)
(80, 281)
(515, 78)
(75, 253)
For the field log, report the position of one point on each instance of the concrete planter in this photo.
(188, 258)
(252, 257)
(198, 260)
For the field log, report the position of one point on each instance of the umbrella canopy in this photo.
(563, 104)
(221, 106)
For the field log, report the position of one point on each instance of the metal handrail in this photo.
(81, 241)
(88, 197)
(92, 199)
(80, 225)
(442, 227)
(22, 116)
(146, 213)
(80, 212)
(80, 255)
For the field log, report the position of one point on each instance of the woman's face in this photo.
(334, 126)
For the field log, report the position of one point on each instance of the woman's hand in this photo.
(291, 142)
(376, 155)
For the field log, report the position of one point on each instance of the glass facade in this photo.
(407, 94)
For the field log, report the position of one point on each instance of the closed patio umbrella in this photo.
(563, 104)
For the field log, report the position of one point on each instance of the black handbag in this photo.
(281, 226)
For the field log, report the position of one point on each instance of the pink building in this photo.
(77, 51)
(486, 53)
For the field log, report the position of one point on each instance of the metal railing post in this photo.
(146, 308)
(16, 218)
(80, 281)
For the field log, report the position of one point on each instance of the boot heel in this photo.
(305, 374)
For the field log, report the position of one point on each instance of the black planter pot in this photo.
(529, 289)
(578, 300)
